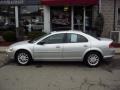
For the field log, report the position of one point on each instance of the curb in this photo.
(4, 61)
(117, 53)
(2, 52)
(3, 49)
(7, 61)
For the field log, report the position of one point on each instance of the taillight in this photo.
(112, 45)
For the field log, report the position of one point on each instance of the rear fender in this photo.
(90, 50)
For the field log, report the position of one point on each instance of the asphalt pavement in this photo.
(60, 76)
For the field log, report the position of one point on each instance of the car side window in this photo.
(75, 38)
(82, 38)
(57, 38)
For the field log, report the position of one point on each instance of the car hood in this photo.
(20, 43)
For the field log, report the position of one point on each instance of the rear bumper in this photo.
(108, 58)
(109, 54)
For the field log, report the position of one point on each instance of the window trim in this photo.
(63, 41)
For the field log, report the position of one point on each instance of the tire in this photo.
(93, 59)
(23, 57)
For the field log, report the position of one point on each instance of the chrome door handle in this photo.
(85, 46)
(57, 46)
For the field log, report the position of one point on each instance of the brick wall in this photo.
(107, 8)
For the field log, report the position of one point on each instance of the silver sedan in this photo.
(63, 46)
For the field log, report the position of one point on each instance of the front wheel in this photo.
(93, 59)
(23, 57)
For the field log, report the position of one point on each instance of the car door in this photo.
(75, 46)
(51, 47)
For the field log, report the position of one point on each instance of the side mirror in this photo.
(41, 43)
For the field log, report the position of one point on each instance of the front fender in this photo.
(28, 48)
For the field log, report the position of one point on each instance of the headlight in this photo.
(10, 49)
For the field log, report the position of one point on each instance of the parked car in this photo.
(37, 26)
(63, 46)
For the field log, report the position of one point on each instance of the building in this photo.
(54, 15)
(111, 12)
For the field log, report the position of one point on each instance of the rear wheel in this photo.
(93, 59)
(23, 57)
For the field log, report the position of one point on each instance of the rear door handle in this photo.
(85, 45)
(57, 46)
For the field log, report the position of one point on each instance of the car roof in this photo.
(69, 31)
(75, 31)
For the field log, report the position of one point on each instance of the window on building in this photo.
(118, 16)
(7, 18)
(60, 18)
(31, 18)
(88, 18)
(79, 16)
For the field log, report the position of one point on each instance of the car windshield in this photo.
(36, 39)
